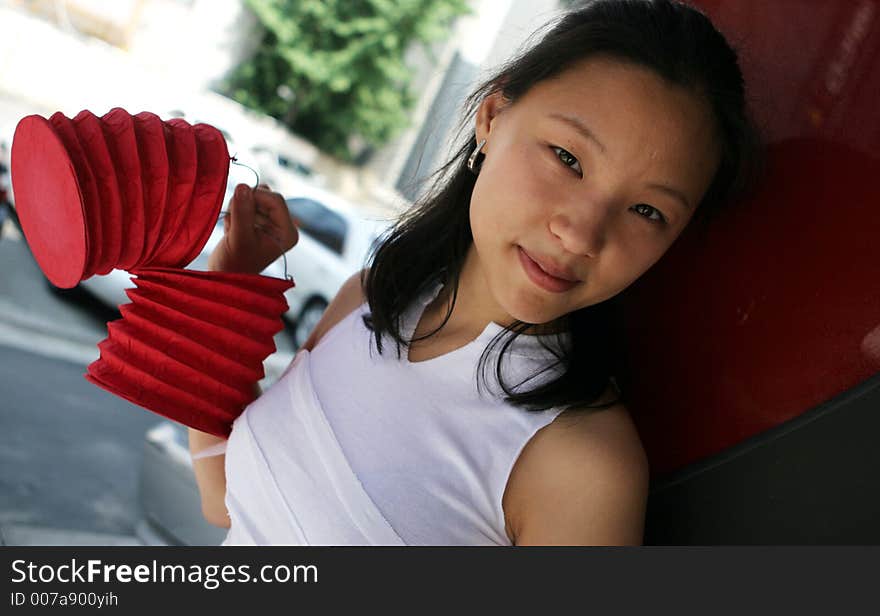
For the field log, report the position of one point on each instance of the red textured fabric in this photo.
(184, 349)
(121, 141)
(232, 344)
(258, 294)
(165, 322)
(37, 153)
(247, 323)
(266, 285)
(207, 199)
(161, 366)
(172, 346)
(782, 309)
(180, 142)
(94, 145)
(140, 388)
(149, 191)
(154, 175)
(88, 189)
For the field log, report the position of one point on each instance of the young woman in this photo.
(497, 419)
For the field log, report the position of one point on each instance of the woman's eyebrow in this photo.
(580, 127)
(673, 193)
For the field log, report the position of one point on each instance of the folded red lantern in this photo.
(121, 191)
(118, 127)
(191, 345)
(93, 144)
(140, 194)
(49, 202)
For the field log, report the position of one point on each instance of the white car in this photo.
(335, 239)
(280, 166)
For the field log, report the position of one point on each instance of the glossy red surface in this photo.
(774, 308)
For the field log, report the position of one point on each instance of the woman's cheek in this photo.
(514, 191)
(486, 213)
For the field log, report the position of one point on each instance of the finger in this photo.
(269, 202)
(242, 209)
(272, 204)
(275, 207)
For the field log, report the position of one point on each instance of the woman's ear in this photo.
(487, 113)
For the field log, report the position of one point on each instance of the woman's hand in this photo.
(257, 229)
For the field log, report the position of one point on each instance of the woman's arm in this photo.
(582, 480)
(257, 230)
(210, 475)
(210, 471)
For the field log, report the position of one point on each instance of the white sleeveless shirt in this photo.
(350, 447)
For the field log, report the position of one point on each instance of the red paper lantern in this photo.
(137, 193)
(182, 165)
(121, 140)
(93, 143)
(43, 173)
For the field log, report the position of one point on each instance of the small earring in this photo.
(472, 159)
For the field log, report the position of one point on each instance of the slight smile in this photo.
(541, 278)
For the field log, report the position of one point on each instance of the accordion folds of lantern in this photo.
(137, 193)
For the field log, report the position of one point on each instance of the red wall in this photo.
(775, 307)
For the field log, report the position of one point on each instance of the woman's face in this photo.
(594, 172)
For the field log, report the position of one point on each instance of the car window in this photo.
(319, 222)
(294, 165)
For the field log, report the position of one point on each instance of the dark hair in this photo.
(432, 238)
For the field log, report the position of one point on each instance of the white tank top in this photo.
(387, 451)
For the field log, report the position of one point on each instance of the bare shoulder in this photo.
(581, 480)
(349, 297)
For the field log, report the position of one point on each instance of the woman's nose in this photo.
(583, 232)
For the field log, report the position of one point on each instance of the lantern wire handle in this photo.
(234, 160)
(224, 213)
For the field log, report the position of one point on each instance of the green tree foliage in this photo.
(333, 69)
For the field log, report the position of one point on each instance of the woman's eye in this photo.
(649, 212)
(567, 159)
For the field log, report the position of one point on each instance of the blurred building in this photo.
(191, 41)
(494, 31)
(167, 55)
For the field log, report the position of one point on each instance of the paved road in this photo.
(70, 453)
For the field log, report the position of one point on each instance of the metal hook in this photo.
(283, 254)
(234, 160)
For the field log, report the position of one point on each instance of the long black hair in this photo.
(432, 238)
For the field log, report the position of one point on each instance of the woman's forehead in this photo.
(622, 92)
(618, 89)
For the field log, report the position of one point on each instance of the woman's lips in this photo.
(542, 278)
